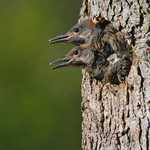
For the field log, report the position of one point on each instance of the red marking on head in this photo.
(91, 24)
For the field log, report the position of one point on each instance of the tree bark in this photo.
(117, 117)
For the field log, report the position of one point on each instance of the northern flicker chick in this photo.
(75, 57)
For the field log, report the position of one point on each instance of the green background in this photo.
(39, 108)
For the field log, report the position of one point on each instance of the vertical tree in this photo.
(117, 117)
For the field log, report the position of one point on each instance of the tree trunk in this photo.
(117, 117)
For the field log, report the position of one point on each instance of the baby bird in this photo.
(75, 57)
(77, 35)
(95, 34)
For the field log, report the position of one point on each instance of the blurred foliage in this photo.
(39, 108)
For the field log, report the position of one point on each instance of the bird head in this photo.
(79, 34)
(75, 57)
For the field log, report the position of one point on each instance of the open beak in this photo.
(66, 38)
(59, 63)
(60, 39)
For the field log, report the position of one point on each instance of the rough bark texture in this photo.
(117, 117)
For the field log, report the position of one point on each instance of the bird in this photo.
(95, 34)
(77, 35)
(75, 57)
(102, 69)
(81, 33)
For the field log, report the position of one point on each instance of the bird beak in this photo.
(60, 39)
(67, 38)
(59, 63)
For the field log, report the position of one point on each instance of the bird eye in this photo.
(76, 52)
(76, 30)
